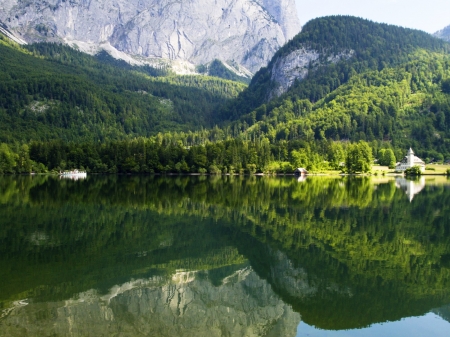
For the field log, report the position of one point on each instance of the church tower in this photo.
(410, 157)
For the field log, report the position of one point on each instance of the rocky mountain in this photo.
(315, 47)
(246, 32)
(187, 304)
(443, 34)
(326, 54)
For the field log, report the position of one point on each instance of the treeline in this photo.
(160, 155)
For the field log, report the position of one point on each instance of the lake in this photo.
(224, 256)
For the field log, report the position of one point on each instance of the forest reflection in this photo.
(342, 252)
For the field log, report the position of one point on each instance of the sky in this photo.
(427, 15)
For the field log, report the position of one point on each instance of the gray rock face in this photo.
(296, 65)
(284, 12)
(290, 68)
(443, 34)
(246, 31)
(188, 304)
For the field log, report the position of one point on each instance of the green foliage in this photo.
(446, 86)
(390, 93)
(51, 91)
(394, 108)
(359, 158)
(386, 157)
(7, 159)
(168, 154)
(413, 171)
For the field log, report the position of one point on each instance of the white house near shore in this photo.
(409, 161)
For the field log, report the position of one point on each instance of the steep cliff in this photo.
(244, 31)
(296, 66)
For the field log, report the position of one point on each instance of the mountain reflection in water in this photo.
(219, 256)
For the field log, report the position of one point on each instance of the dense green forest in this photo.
(407, 105)
(163, 155)
(394, 88)
(50, 91)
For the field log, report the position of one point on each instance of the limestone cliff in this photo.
(296, 66)
(248, 32)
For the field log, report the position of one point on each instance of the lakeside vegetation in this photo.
(158, 155)
(163, 155)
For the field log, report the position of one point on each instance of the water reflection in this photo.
(185, 256)
(410, 186)
(185, 304)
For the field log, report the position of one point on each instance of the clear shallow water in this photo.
(224, 256)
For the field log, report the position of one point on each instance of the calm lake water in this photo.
(224, 256)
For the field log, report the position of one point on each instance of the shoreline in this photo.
(311, 174)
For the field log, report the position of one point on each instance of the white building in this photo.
(409, 161)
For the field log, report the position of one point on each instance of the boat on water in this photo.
(74, 174)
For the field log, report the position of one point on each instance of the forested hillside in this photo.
(394, 90)
(408, 105)
(50, 91)
(61, 109)
(375, 46)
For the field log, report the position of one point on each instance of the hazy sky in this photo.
(427, 15)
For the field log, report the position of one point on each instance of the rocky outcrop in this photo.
(5, 31)
(443, 34)
(248, 32)
(188, 304)
(296, 66)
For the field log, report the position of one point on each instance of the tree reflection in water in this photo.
(247, 256)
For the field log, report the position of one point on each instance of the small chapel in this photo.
(409, 161)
